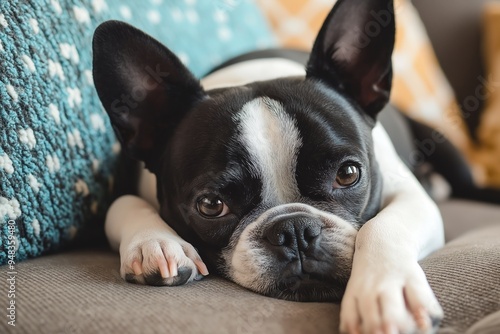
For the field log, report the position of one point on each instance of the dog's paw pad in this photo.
(155, 279)
(161, 261)
(184, 273)
(183, 276)
(436, 321)
(131, 278)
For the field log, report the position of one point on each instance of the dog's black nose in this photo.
(297, 231)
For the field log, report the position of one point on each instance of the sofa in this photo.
(79, 290)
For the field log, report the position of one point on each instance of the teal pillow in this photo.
(57, 149)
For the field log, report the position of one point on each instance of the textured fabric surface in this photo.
(82, 292)
(465, 276)
(420, 89)
(488, 325)
(57, 148)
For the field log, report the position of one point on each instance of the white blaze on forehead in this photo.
(272, 139)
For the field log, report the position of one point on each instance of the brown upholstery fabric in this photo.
(465, 275)
(82, 292)
(489, 325)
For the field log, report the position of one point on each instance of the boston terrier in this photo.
(280, 176)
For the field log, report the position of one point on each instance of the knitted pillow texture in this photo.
(57, 148)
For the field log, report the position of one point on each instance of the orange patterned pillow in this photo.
(420, 88)
(489, 130)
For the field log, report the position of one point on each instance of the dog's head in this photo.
(272, 180)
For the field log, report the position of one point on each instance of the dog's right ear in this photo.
(352, 52)
(144, 87)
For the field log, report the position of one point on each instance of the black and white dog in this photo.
(280, 177)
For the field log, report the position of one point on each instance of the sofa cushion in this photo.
(488, 325)
(57, 148)
(461, 216)
(82, 292)
(465, 275)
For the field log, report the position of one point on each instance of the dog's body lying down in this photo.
(281, 177)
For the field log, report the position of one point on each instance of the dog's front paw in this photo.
(389, 300)
(160, 259)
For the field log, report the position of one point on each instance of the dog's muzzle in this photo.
(295, 253)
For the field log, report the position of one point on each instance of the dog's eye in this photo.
(347, 176)
(212, 207)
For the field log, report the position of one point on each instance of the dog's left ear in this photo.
(353, 50)
(144, 87)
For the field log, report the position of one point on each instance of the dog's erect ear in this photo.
(353, 51)
(143, 86)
